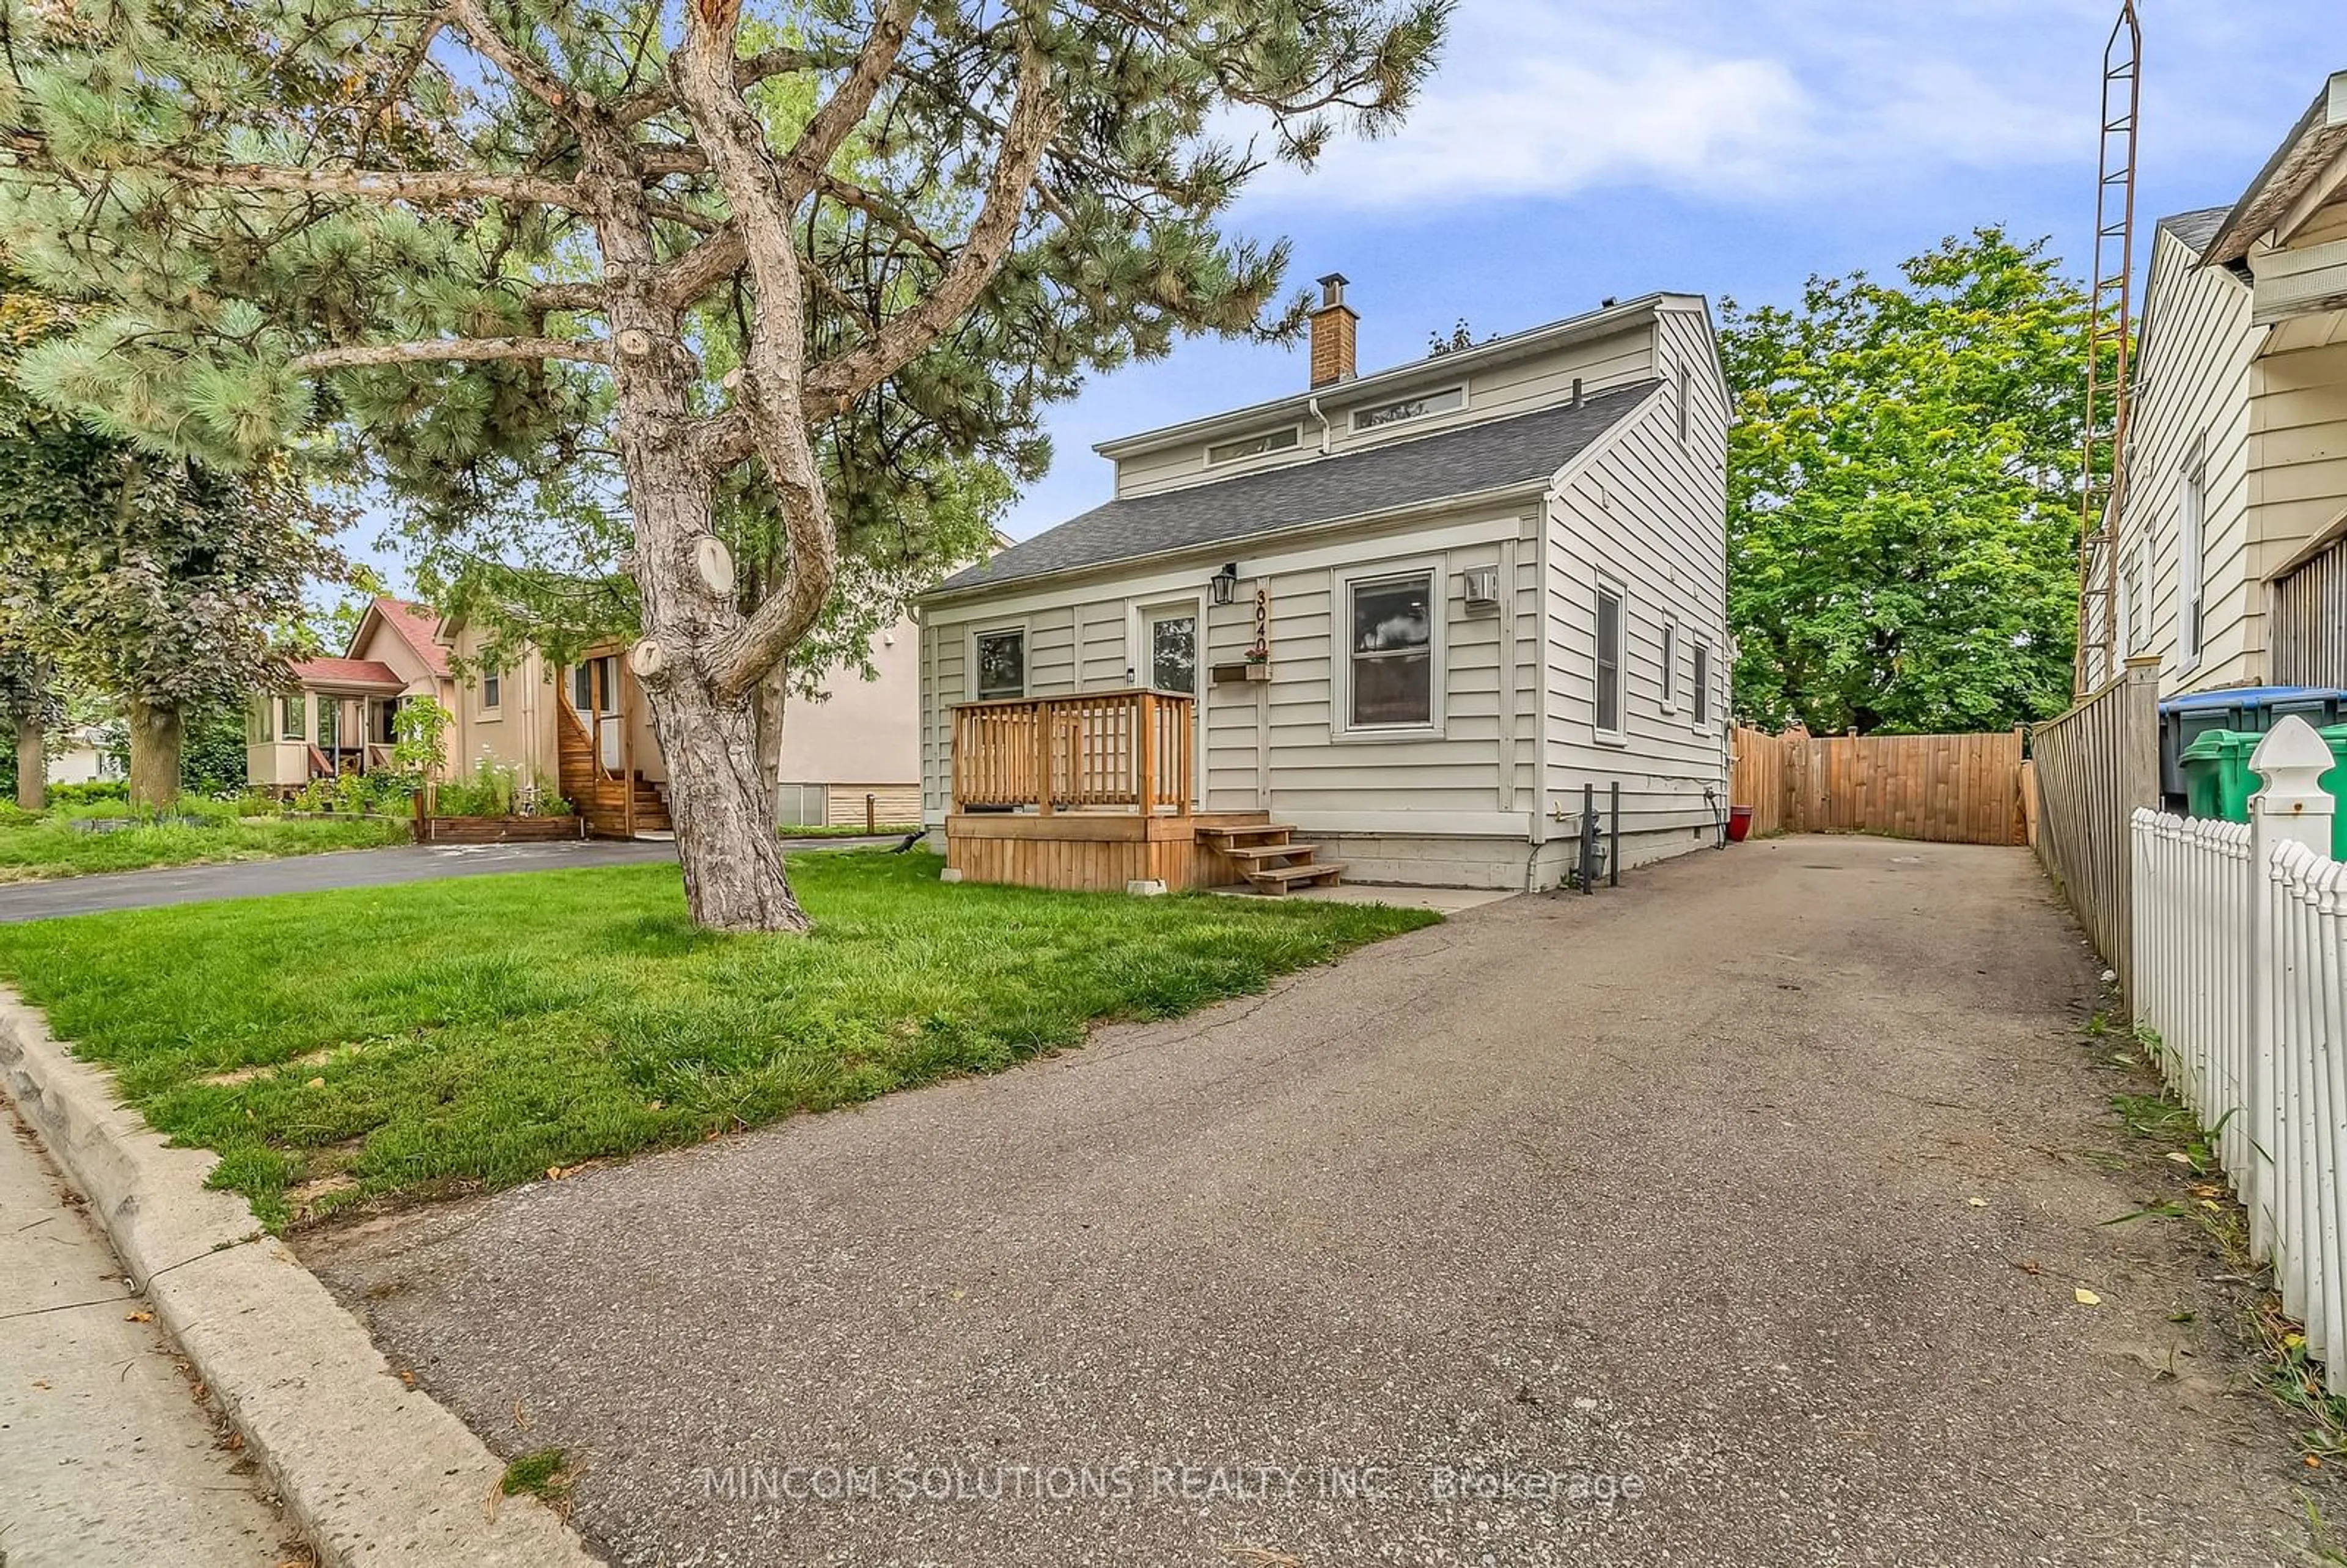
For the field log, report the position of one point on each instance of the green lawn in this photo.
(413, 1041)
(52, 845)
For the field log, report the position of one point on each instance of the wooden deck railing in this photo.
(1131, 748)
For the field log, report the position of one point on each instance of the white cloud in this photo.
(1739, 99)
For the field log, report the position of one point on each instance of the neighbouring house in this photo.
(584, 727)
(81, 757)
(2232, 552)
(1393, 626)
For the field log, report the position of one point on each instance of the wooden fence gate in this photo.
(1949, 789)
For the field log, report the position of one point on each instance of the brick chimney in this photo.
(1332, 334)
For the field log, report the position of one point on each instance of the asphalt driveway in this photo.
(1736, 1217)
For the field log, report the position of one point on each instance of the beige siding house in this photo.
(584, 727)
(2232, 555)
(1403, 617)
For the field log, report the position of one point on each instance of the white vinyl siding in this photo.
(1648, 514)
(2192, 388)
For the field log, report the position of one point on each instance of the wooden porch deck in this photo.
(1096, 792)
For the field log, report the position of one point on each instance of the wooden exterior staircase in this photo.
(1269, 858)
(614, 803)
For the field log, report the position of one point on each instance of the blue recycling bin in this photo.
(2250, 710)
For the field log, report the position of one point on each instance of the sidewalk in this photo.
(107, 1458)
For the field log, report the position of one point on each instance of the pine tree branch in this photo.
(432, 187)
(841, 113)
(434, 350)
(748, 72)
(527, 72)
(1034, 120)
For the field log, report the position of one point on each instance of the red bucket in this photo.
(1739, 823)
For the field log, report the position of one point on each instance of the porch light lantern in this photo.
(1225, 583)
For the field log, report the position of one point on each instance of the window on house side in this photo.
(291, 726)
(1685, 381)
(492, 687)
(1670, 666)
(1003, 663)
(1393, 653)
(1252, 445)
(2191, 514)
(1702, 684)
(1409, 408)
(1609, 660)
(264, 717)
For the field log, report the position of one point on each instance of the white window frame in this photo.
(1353, 417)
(1702, 654)
(1026, 660)
(1619, 734)
(1437, 654)
(1670, 664)
(2191, 557)
(1295, 442)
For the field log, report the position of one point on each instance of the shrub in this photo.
(116, 789)
(488, 793)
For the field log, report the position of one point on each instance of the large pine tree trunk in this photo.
(725, 816)
(32, 767)
(734, 877)
(155, 737)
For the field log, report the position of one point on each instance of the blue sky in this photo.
(1569, 149)
(1566, 151)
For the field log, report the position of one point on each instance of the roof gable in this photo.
(1522, 450)
(416, 625)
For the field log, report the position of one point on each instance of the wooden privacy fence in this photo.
(2095, 766)
(1949, 789)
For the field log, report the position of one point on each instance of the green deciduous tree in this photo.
(168, 586)
(487, 234)
(1903, 501)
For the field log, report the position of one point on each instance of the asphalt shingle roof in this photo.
(1486, 457)
(2197, 228)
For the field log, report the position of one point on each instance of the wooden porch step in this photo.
(1276, 880)
(1256, 853)
(1223, 836)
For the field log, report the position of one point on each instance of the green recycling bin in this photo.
(2334, 785)
(2218, 782)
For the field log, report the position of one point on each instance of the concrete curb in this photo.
(373, 1471)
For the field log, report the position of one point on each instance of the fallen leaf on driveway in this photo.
(2085, 1298)
(1977, 1203)
(139, 1318)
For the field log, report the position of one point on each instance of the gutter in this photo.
(1060, 575)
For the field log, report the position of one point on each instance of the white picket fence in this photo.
(2241, 968)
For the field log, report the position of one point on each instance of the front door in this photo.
(1169, 641)
(595, 694)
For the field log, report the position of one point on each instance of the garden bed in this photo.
(499, 829)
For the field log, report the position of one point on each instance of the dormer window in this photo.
(1378, 415)
(1280, 440)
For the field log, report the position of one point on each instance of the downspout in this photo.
(1536, 832)
(1313, 403)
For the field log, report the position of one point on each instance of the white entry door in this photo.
(1169, 642)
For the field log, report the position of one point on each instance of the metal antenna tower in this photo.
(2103, 490)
